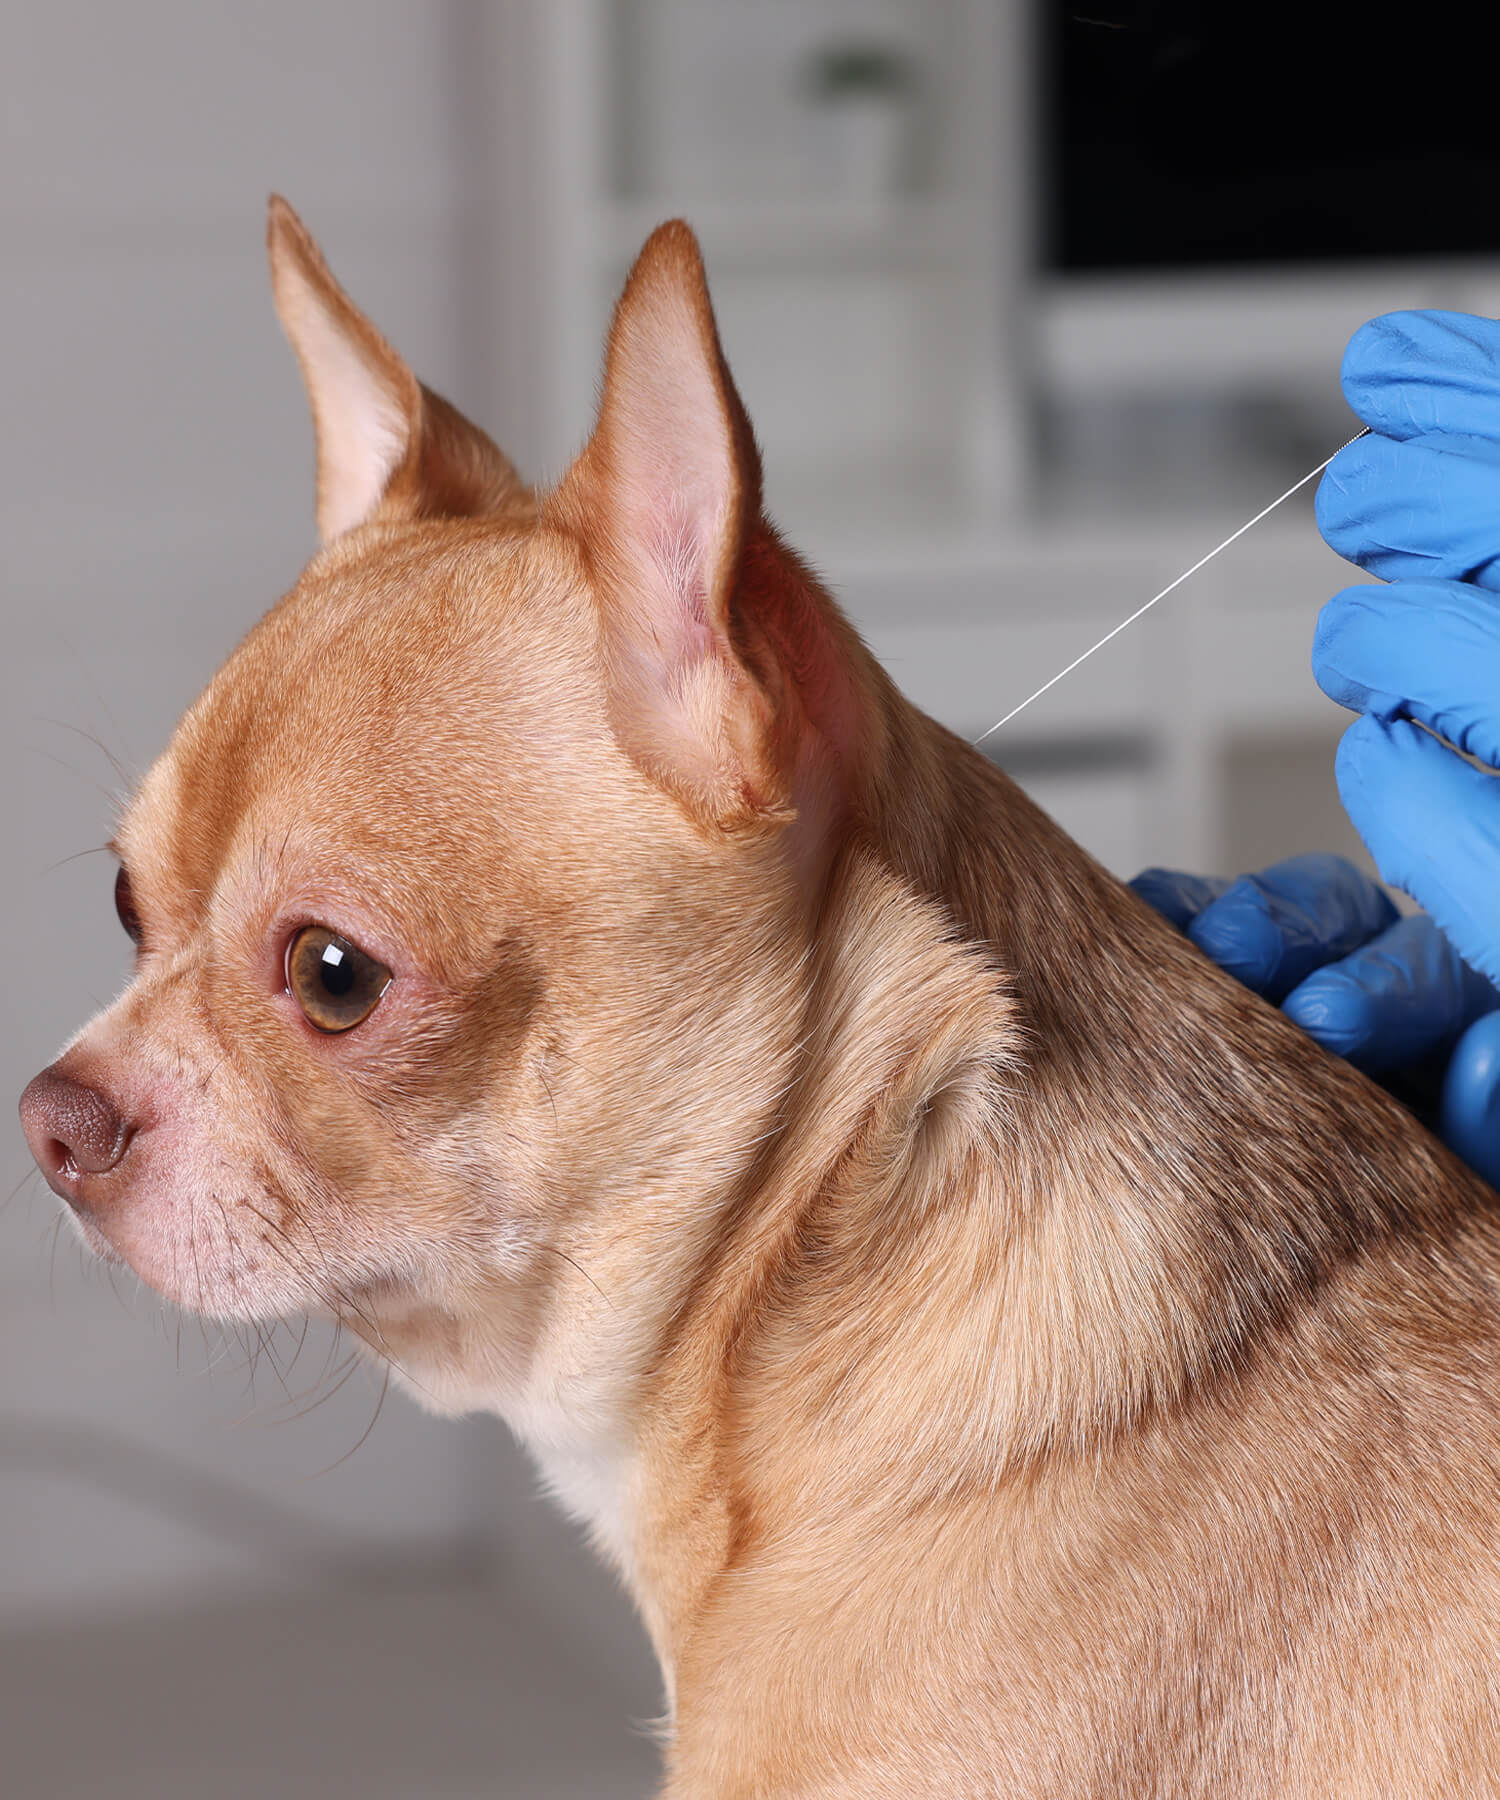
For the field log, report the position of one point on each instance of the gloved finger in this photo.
(1396, 999)
(1272, 930)
(1427, 649)
(1428, 508)
(1432, 823)
(1469, 1112)
(1408, 374)
(1178, 896)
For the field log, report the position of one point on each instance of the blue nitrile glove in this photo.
(1418, 504)
(1390, 993)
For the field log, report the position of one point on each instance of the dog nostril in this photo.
(58, 1159)
(72, 1129)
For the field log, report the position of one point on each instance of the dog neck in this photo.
(1037, 1142)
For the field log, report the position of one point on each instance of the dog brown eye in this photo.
(332, 980)
(125, 907)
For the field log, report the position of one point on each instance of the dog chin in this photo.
(200, 1268)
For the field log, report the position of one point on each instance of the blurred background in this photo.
(1031, 304)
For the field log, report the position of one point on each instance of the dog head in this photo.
(472, 900)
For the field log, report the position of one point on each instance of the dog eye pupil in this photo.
(335, 983)
(337, 970)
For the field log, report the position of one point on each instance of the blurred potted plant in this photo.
(865, 93)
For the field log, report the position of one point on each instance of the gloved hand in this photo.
(1390, 993)
(1418, 504)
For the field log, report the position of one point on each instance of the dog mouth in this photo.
(208, 1255)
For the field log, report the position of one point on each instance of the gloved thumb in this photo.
(1469, 1118)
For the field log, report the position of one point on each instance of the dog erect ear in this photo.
(387, 446)
(666, 502)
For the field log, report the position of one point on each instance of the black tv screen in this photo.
(1183, 133)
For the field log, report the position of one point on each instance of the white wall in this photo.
(155, 497)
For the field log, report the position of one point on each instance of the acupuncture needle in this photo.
(1172, 586)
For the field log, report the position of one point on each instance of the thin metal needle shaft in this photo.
(1233, 537)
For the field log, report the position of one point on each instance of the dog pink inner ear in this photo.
(668, 493)
(362, 422)
(668, 431)
(366, 403)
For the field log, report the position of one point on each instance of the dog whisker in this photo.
(77, 856)
(57, 1231)
(325, 1291)
(573, 1262)
(364, 1436)
(98, 786)
(339, 1378)
(125, 775)
(32, 1174)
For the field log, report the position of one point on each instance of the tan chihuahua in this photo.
(1001, 1355)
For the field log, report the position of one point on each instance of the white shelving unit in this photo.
(860, 315)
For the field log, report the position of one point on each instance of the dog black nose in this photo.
(73, 1131)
